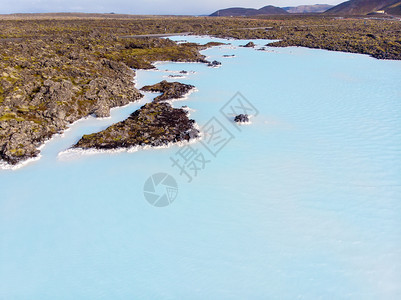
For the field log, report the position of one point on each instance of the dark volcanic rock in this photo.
(170, 90)
(242, 118)
(154, 124)
(51, 78)
(34, 112)
(214, 63)
(249, 45)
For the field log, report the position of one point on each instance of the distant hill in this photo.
(241, 11)
(271, 10)
(234, 11)
(393, 9)
(307, 9)
(364, 7)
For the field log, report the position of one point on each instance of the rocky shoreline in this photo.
(56, 71)
(154, 124)
(48, 85)
(26, 125)
(169, 90)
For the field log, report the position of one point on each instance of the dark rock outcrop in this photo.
(241, 118)
(249, 45)
(170, 90)
(154, 124)
(51, 77)
(214, 64)
(35, 111)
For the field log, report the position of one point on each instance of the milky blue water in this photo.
(303, 203)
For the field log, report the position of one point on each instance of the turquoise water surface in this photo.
(303, 203)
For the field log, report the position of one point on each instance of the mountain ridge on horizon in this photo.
(303, 9)
(271, 10)
(365, 7)
(351, 7)
(243, 11)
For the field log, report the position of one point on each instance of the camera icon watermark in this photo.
(160, 189)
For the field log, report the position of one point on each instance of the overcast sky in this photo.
(192, 7)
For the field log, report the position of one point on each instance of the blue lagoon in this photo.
(302, 203)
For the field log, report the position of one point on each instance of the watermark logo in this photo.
(238, 105)
(189, 161)
(160, 189)
(216, 136)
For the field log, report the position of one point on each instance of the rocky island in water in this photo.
(169, 90)
(155, 124)
(46, 86)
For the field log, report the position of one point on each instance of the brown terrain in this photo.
(59, 68)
